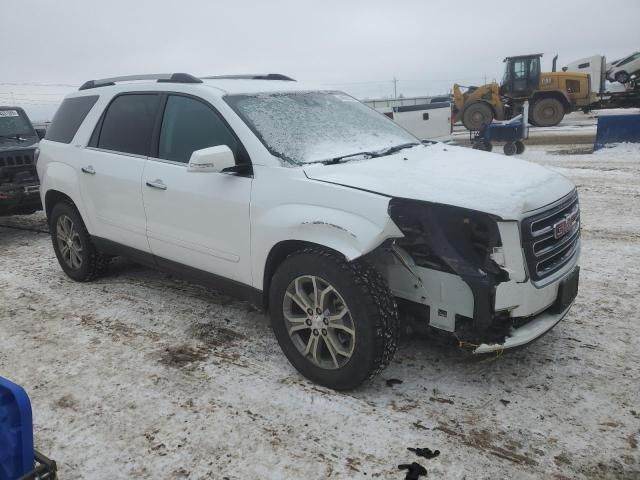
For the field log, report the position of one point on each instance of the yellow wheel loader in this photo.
(550, 95)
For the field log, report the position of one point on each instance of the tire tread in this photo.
(380, 304)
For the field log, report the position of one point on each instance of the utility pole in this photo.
(395, 87)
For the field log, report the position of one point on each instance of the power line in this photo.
(34, 84)
(39, 94)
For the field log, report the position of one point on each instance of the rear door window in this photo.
(189, 125)
(128, 123)
(69, 117)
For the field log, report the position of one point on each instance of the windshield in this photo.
(305, 127)
(14, 124)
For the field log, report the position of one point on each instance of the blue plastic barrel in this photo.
(617, 129)
(16, 431)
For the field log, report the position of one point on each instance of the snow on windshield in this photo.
(314, 126)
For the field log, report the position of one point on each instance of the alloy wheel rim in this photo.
(319, 322)
(69, 242)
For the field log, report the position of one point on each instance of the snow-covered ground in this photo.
(140, 375)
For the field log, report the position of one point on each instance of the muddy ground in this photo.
(140, 375)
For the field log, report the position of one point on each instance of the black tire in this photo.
(91, 263)
(488, 146)
(547, 112)
(519, 147)
(509, 148)
(476, 115)
(372, 310)
(622, 77)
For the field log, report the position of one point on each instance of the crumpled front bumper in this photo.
(527, 333)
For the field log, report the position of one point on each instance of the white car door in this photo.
(197, 219)
(112, 166)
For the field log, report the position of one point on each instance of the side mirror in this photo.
(211, 159)
(41, 132)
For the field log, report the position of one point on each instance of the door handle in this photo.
(88, 170)
(159, 184)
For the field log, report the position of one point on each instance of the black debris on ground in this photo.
(414, 471)
(425, 452)
(505, 402)
(393, 381)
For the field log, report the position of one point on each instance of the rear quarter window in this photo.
(69, 117)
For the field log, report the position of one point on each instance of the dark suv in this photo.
(19, 185)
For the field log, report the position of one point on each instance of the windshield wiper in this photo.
(13, 137)
(379, 153)
(397, 148)
(334, 160)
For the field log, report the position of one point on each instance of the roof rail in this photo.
(259, 76)
(160, 77)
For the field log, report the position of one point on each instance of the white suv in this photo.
(622, 70)
(314, 206)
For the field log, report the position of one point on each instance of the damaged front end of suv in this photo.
(464, 272)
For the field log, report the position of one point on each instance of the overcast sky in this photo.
(358, 46)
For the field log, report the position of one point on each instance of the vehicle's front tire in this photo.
(76, 254)
(336, 321)
(475, 115)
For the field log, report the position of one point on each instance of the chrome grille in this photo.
(550, 238)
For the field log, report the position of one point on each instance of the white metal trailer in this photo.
(428, 118)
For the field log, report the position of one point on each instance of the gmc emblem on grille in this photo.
(565, 225)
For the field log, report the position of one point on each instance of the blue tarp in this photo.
(617, 129)
(16, 431)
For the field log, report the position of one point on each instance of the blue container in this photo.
(617, 129)
(16, 431)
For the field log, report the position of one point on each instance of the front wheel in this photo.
(336, 321)
(476, 115)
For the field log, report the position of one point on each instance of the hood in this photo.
(439, 173)
(13, 144)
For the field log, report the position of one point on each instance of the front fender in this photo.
(348, 233)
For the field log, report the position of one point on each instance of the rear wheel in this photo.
(547, 112)
(519, 147)
(476, 115)
(72, 244)
(336, 321)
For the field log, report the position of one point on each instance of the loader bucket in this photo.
(617, 129)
